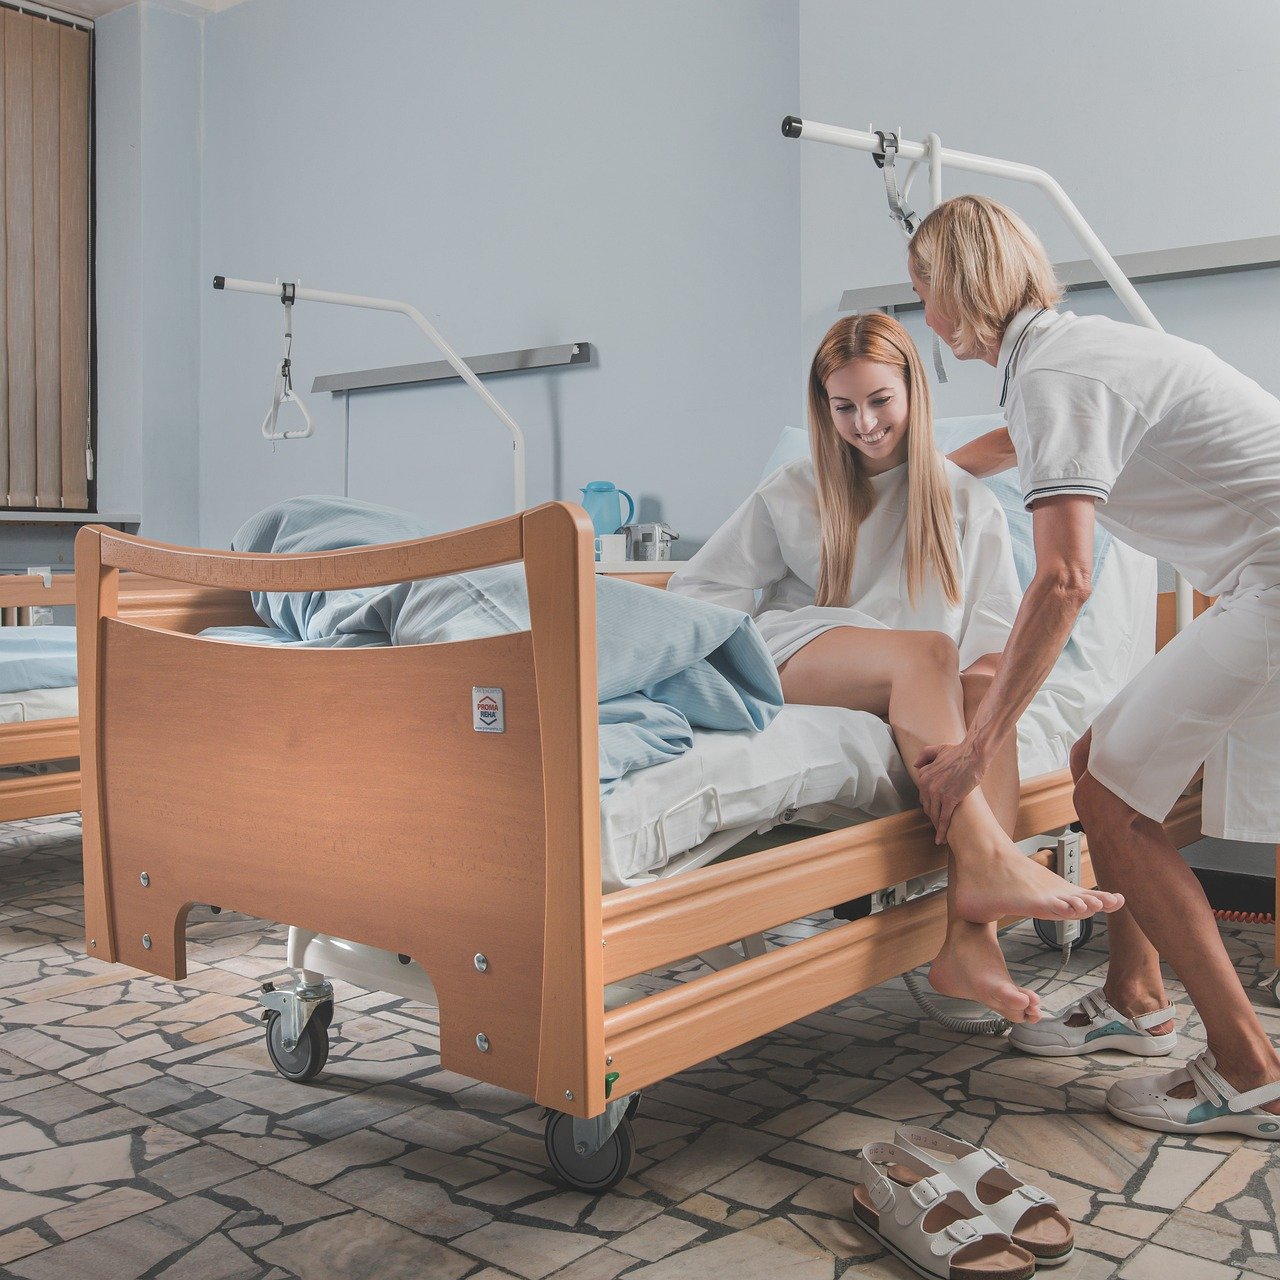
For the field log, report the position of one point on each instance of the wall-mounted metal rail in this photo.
(1227, 256)
(400, 375)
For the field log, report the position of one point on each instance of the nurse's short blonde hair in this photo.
(983, 264)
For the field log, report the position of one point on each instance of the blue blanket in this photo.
(666, 664)
(37, 658)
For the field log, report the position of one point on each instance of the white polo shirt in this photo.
(1181, 450)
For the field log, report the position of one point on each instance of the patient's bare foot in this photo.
(1011, 884)
(971, 966)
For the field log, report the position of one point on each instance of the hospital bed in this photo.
(39, 726)
(38, 732)
(470, 864)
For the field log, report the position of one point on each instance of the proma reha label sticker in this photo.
(486, 710)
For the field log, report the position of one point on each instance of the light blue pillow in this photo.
(950, 434)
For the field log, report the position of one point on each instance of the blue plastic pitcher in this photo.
(601, 500)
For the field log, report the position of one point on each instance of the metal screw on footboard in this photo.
(568, 1093)
(481, 961)
(146, 941)
(146, 879)
(482, 1042)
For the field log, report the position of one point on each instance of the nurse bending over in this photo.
(1177, 454)
(888, 586)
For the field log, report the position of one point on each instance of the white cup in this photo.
(611, 548)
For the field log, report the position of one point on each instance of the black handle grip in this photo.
(219, 282)
(792, 127)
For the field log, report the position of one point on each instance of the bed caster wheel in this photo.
(1047, 932)
(633, 1106)
(306, 1059)
(592, 1174)
(324, 1014)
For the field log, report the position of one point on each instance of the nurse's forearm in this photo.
(1048, 612)
(987, 455)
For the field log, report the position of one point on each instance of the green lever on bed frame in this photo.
(609, 1081)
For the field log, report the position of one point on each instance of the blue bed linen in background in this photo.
(37, 658)
(666, 664)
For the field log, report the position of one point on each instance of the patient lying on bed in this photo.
(887, 585)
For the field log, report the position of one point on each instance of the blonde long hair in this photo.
(845, 495)
(983, 264)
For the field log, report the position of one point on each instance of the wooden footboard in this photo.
(349, 792)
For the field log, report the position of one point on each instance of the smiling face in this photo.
(870, 406)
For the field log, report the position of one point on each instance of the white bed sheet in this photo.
(38, 704)
(813, 762)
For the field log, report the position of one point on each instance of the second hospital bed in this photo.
(210, 777)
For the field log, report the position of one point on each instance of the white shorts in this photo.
(1211, 696)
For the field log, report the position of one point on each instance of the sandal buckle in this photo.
(995, 1157)
(926, 1193)
(881, 1193)
(961, 1232)
(1034, 1194)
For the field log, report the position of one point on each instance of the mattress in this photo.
(37, 704)
(825, 764)
(37, 658)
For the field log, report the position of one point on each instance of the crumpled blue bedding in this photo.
(666, 664)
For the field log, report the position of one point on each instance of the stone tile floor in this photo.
(144, 1133)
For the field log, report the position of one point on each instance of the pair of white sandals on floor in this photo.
(1216, 1106)
(954, 1211)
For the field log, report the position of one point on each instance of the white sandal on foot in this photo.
(1216, 1108)
(1028, 1216)
(1107, 1028)
(930, 1225)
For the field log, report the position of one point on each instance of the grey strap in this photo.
(899, 210)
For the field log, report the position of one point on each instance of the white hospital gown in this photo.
(771, 546)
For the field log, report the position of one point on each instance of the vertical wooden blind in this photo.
(44, 263)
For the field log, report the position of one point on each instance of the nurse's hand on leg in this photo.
(946, 775)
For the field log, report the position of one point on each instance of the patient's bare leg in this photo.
(971, 965)
(912, 679)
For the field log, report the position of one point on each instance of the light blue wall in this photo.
(526, 175)
(1158, 117)
(148, 230)
(118, 262)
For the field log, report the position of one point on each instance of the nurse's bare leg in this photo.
(1134, 982)
(1166, 900)
(912, 679)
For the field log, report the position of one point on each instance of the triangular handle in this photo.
(269, 422)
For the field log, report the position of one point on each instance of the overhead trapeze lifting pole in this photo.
(459, 366)
(857, 140)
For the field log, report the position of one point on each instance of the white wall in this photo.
(527, 175)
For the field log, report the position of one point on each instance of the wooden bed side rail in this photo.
(213, 774)
(656, 924)
(654, 1038)
(23, 590)
(173, 605)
